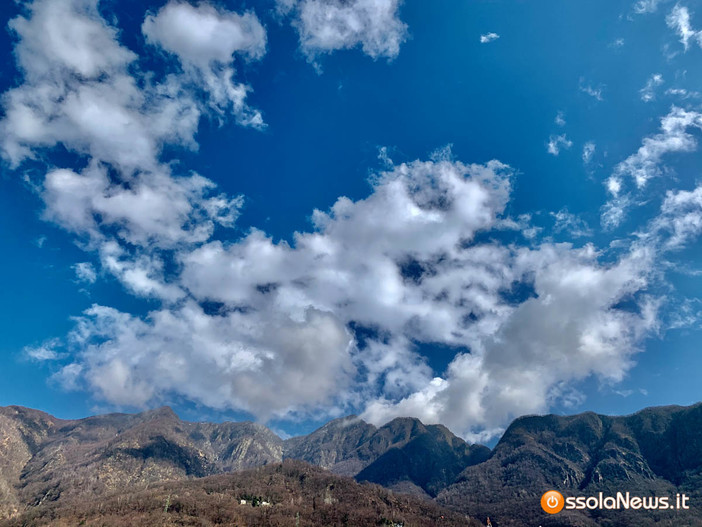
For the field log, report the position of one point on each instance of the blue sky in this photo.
(294, 210)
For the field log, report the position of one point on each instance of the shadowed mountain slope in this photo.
(404, 454)
(657, 451)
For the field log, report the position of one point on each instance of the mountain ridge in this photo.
(657, 450)
(47, 459)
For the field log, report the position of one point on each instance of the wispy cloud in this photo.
(679, 19)
(646, 163)
(45, 352)
(558, 142)
(570, 223)
(85, 272)
(588, 152)
(592, 91)
(682, 93)
(488, 37)
(648, 6)
(648, 92)
(560, 119)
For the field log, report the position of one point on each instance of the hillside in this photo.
(657, 451)
(45, 459)
(48, 464)
(291, 493)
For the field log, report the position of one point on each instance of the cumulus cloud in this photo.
(77, 92)
(346, 303)
(205, 41)
(329, 25)
(155, 210)
(488, 37)
(648, 92)
(558, 142)
(569, 330)
(231, 360)
(271, 315)
(335, 320)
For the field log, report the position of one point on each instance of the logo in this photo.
(552, 502)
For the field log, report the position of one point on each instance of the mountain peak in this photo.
(162, 412)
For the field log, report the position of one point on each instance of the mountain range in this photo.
(46, 462)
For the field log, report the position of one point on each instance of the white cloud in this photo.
(246, 323)
(279, 314)
(560, 119)
(77, 91)
(46, 352)
(674, 137)
(647, 162)
(85, 272)
(679, 19)
(571, 330)
(69, 36)
(229, 361)
(155, 210)
(588, 151)
(203, 35)
(592, 91)
(205, 40)
(574, 225)
(680, 218)
(648, 92)
(329, 25)
(488, 37)
(359, 260)
(683, 93)
(558, 142)
(648, 6)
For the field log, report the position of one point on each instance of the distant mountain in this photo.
(657, 451)
(291, 493)
(421, 459)
(44, 458)
(404, 454)
(335, 446)
(47, 462)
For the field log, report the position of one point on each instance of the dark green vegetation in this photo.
(155, 469)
